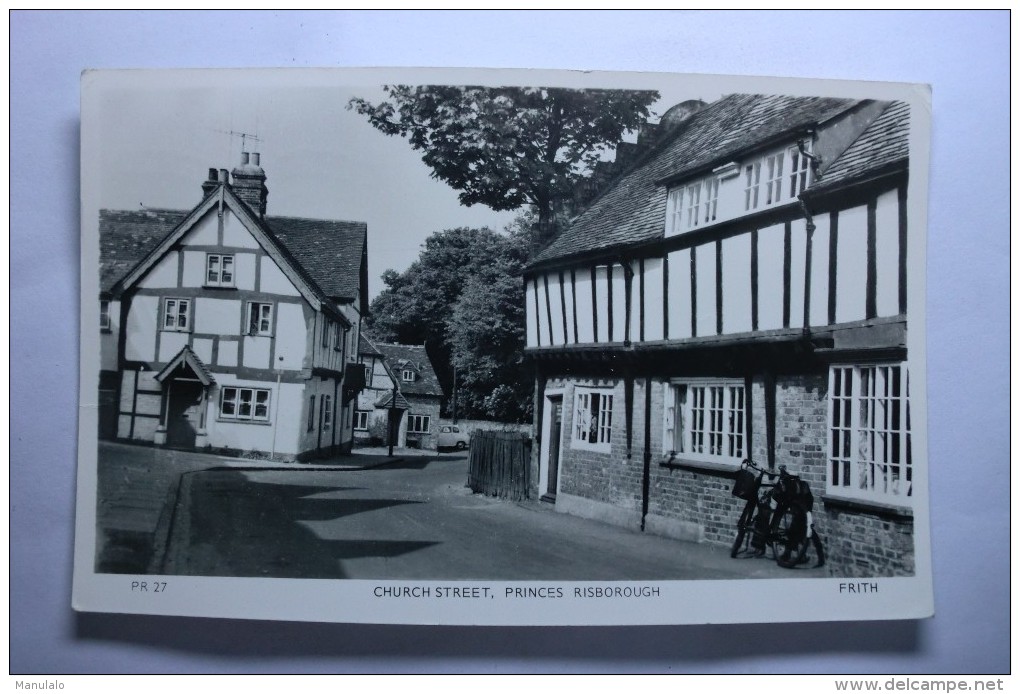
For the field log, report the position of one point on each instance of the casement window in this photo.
(338, 339)
(260, 318)
(327, 327)
(104, 315)
(244, 404)
(800, 172)
(419, 423)
(326, 412)
(773, 178)
(361, 420)
(593, 419)
(219, 270)
(176, 314)
(693, 205)
(705, 420)
(870, 455)
(407, 375)
(311, 413)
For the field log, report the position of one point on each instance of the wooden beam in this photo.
(833, 247)
(871, 275)
(754, 279)
(787, 271)
(902, 199)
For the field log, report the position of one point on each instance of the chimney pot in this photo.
(224, 176)
(255, 156)
(244, 158)
(212, 174)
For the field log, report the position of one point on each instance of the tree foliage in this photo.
(463, 298)
(507, 147)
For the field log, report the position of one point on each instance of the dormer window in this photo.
(692, 205)
(219, 270)
(407, 375)
(799, 171)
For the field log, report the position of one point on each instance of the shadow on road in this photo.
(227, 524)
(418, 462)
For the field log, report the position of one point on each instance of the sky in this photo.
(156, 134)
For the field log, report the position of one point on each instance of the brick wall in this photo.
(695, 502)
(426, 405)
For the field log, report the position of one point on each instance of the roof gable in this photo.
(398, 356)
(883, 144)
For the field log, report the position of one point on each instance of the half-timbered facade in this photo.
(227, 329)
(739, 293)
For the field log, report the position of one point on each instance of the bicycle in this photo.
(777, 516)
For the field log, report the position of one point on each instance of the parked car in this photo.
(450, 436)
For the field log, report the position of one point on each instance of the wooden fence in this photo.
(499, 464)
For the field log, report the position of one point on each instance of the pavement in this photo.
(368, 516)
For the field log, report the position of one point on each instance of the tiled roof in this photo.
(384, 401)
(327, 252)
(126, 236)
(330, 251)
(366, 347)
(883, 144)
(634, 209)
(397, 356)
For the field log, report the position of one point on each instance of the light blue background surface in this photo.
(965, 56)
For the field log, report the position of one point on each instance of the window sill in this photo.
(603, 449)
(176, 330)
(227, 287)
(880, 508)
(227, 420)
(718, 469)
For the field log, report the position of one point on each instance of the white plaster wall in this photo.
(585, 325)
(556, 309)
(887, 254)
(202, 347)
(736, 283)
(820, 271)
(602, 302)
(635, 302)
(798, 266)
(619, 304)
(706, 289)
(170, 343)
(653, 299)
(851, 264)
(235, 233)
(227, 352)
(140, 340)
(531, 316)
(680, 294)
(204, 232)
(163, 274)
(256, 352)
(217, 316)
(244, 271)
(273, 281)
(193, 274)
(568, 301)
(290, 336)
(285, 411)
(770, 278)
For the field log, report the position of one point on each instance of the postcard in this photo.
(502, 347)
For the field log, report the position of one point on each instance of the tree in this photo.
(507, 147)
(463, 299)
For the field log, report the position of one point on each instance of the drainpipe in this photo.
(810, 226)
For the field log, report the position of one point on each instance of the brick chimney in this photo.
(211, 183)
(250, 183)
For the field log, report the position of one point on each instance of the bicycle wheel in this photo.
(746, 517)
(789, 536)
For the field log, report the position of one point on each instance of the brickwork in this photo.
(423, 405)
(697, 499)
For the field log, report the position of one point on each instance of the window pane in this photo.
(262, 404)
(227, 273)
(244, 404)
(228, 402)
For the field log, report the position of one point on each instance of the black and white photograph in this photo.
(502, 347)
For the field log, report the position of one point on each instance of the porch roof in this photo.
(189, 358)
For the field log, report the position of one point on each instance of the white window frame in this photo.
(419, 423)
(177, 318)
(800, 172)
(255, 314)
(258, 401)
(361, 416)
(407, 375)
(705, 420)
(326, 411)
(869, 451)
(220, 276)
(586, 425)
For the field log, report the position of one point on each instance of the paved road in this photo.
(411, 520)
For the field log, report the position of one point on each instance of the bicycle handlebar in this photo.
(750, 464)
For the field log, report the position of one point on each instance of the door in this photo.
(555, 430)
(184, 413)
